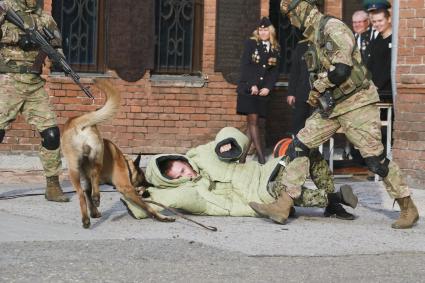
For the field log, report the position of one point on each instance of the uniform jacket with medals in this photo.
(259, 67)
(365, 39)
(332, 42)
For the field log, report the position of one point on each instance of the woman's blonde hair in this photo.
(273, 40)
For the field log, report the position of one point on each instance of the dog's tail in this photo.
(108, 110)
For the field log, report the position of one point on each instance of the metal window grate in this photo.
(79, 22)
(178, 30)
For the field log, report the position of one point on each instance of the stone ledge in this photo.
(178, 81)
(31, 161)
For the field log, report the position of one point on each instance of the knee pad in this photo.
(297, 149)
(378, 164)
(50, 138)
(2, 133)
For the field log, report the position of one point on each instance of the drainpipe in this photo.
(394, 47)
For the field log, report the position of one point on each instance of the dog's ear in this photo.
(137, 160)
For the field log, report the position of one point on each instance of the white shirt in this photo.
(267, 44)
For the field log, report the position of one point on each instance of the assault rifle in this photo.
(46, 49)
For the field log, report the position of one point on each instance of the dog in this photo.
(99, 161)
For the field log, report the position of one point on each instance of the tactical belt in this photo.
(4, 68)
(338, 95)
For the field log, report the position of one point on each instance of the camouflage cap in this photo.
(287, 6)
(27, 4)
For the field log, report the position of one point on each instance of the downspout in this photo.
(394, 48)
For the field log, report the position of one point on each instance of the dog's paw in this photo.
(96, 201)
(86, 223)
(95, 214)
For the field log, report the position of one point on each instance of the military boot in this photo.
(277, 211)
(336, 210)
(54, 191)
(345, 196)
(408, 214)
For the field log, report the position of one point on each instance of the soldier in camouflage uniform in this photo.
(22, 87)
(346, 98)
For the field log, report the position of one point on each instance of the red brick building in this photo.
(173, 111)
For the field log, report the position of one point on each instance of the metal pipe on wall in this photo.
(394, 48)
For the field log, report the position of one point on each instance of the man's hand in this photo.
(264, 92)
(225, 147)
(313, 98)
(254, 90)
(290, 99)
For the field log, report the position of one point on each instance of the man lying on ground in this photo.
(208, 180)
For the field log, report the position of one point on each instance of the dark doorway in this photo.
(348, 8)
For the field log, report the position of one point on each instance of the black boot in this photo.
(292, 212)
(344, 196)
(336, 210)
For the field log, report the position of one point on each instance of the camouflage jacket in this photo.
(336, 44)
(10, 52)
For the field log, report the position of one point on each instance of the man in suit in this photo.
(363, 32)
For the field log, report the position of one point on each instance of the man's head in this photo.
(297, 11)
(360, 21)
(175, 169)
(381, 21)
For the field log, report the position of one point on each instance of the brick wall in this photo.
(155, 119)
(409, 131)
(334, 8)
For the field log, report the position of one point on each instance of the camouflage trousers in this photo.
(362, 127)
(24, 94)
(292, 180)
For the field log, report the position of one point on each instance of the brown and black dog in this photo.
(99, 161)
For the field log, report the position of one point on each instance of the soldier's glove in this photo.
(313, 98)
(322, 83)
(25, 42)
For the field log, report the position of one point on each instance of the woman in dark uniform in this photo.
(259, 73)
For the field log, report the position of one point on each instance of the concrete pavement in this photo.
(47, 239)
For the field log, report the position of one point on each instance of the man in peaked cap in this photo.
(345, 99)
(370, 5)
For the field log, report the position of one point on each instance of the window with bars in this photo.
(82, 27)
(178, 33)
